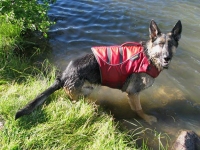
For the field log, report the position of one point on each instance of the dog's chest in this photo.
(137, 83)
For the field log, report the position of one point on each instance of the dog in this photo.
(82, 74)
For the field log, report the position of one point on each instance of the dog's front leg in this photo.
(134, 101)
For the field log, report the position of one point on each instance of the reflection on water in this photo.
(174, 98)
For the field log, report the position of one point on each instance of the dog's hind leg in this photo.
(134, 101)
(77, 88)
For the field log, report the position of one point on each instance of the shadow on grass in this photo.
(27, 58)
(38, 116)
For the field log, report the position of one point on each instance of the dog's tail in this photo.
(39, 100)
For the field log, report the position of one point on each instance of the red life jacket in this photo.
(117, 63)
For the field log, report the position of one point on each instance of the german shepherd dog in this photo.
(83, 74)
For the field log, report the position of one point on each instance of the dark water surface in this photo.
(175, 96)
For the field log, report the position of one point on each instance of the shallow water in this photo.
(174, 97)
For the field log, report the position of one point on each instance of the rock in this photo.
(187, 140)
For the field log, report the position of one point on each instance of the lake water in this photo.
(175, 96)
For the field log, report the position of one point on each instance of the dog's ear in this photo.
(154, 31)
(176, 31)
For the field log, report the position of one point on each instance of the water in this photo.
(174, 98)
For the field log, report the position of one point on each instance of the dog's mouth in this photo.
(166, 64)
(166, 61)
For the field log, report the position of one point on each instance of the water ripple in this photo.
(85, 23)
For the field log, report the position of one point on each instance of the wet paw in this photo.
(150, 119)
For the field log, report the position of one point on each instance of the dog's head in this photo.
(161, 47)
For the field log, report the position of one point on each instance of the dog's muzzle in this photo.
(166, 62)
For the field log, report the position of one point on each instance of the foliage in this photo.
(12, 65)
(18, 18)
(31, 13)
(10, 30)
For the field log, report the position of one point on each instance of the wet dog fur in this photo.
(82, 75)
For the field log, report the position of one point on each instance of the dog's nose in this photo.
(167, 58)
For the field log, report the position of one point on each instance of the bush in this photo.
(10, 30)
(13, 67)
(18, 20)
(31, 14)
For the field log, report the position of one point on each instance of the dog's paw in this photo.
(150, 119)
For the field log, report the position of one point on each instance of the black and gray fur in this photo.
(82, 73)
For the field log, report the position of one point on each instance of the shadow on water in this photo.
(170, 123)
(173, 109)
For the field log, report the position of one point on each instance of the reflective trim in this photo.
(109, 55)
(120, 54)
(136, 56)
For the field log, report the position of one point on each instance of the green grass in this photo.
(58, 124)
(9, 33)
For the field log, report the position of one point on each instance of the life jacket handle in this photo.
(131, 43)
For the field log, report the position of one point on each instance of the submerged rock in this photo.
(187, 140)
